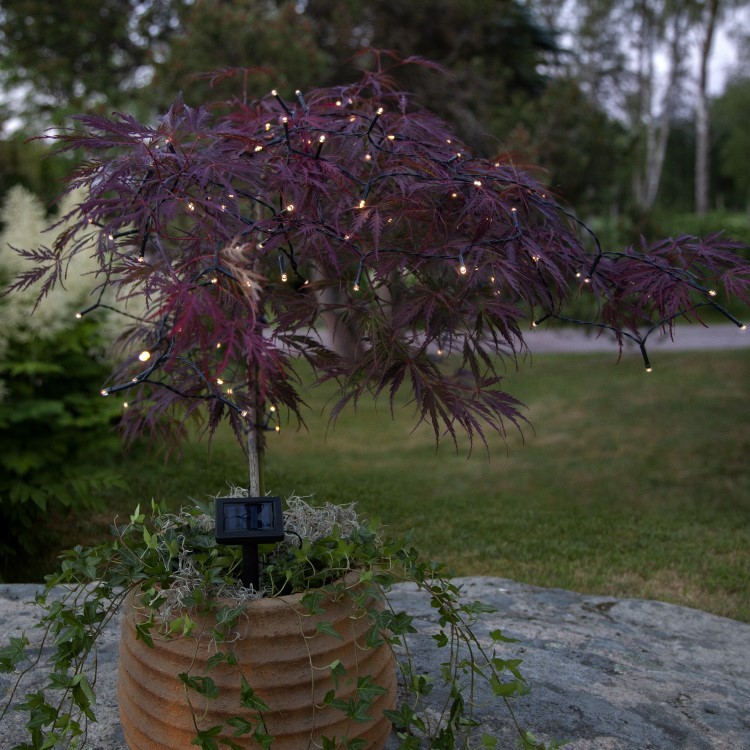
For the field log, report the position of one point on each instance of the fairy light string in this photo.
(309, 133)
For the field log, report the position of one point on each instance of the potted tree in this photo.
(351, 230)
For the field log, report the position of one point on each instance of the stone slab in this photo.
(605, 673)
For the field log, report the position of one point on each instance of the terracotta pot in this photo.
(277, 642)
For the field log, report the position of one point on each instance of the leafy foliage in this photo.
(48, 424)
(257, 234)
(147, 558)
(50, 367)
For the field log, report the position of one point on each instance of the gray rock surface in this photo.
(605, 673)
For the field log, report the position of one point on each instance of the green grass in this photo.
(628, 484)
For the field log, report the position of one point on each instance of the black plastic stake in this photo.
(250, 566)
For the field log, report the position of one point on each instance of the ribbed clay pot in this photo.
(277, 641)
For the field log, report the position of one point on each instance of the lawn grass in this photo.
(628, 484)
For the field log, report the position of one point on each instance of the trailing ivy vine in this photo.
(177, 573)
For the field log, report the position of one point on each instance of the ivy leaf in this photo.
(338, 670)
(326, 628)
(248, 698)
(240, 725)
(498, 637)
(143, 633)
(368, 690)
(503, 689)
(206, 738)
(14, 653)
(202, 685)
(441, 639)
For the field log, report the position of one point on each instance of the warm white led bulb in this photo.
(711, 292)
(284, 277)
(477, 183)
(104, 392)
(362, 203)
(79, 315)
(219, 381)
(145, 355)
(290, 207)
(462, 269)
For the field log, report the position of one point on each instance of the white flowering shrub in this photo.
(26, 226)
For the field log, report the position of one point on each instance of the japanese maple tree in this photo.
(352, 229)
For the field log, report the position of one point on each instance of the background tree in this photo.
(708, 22)
(63, 56)
(731, 113)
(492, 48)
(584, 152)
(272, 37)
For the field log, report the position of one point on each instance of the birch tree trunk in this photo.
(658, 123)
(702, 153)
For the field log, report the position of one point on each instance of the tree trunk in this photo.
(659, 125)
(710, 13)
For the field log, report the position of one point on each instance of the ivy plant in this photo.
(180, 573)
